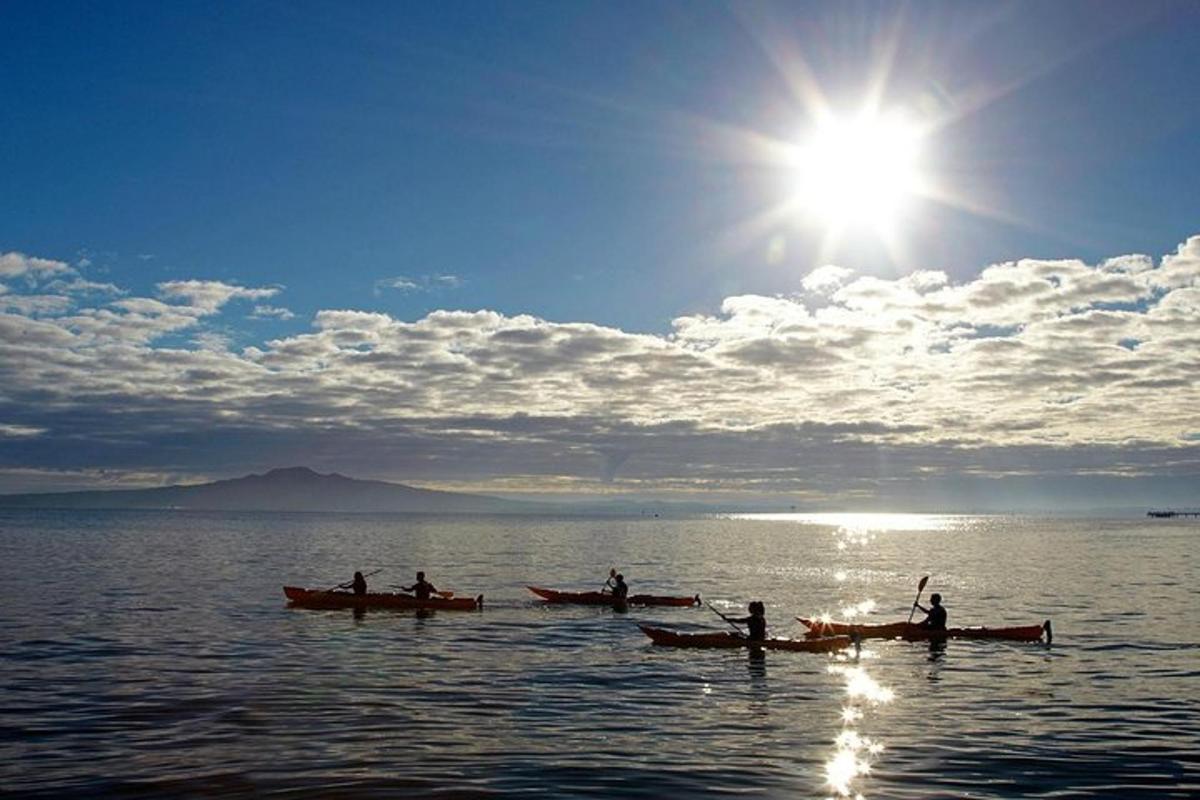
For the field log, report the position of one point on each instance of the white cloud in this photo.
(209, 296)
(15, 265)
(399, 283)
(35, 304)
(212, 341)
(82, 286)
(823, 280)
(1070, 362)
(446, 281)
(422, 283)
(19, 431)
(271, 312)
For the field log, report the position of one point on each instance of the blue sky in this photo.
(579, 163)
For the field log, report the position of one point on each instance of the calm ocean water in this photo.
(147, 654)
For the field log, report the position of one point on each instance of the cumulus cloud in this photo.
(1032, 368)
(16, 265)
(825, 279)
(209, 296)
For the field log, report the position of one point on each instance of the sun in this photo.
(858, 172)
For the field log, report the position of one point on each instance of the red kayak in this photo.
(603, 599)
(319, 598)
(913, 631)
(668, 638)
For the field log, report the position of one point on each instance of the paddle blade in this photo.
(920, 588)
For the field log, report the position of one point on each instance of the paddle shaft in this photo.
(727, 619)
(920, 588)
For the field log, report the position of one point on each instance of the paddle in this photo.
(727, 619)
(348, 584)
(920, 588)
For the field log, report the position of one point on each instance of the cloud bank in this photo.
(855, 389)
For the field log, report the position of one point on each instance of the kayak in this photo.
(319, 598)
(668, 638)
(603, 599)
(914, 632)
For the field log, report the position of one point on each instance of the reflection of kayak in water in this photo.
(913, 631)
(317, 598)
(605, 599)
(727, 640)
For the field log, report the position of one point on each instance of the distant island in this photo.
(287, 489)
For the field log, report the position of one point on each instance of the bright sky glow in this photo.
(858, 173)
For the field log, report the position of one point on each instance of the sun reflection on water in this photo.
(863, 521)
(858, 609)
(853, 752)
(860, 685)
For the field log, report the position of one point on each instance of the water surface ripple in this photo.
(149, 654)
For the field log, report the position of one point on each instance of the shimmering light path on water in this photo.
(152, 654)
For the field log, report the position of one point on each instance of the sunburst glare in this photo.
(859, 172)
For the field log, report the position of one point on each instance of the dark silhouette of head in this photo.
(757, 607)
(935, 598)
(420, 577)
(358, 576)
(620, 578)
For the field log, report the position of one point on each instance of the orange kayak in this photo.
(668, 638)
(913, 631)
(319, 598)
(603, 599)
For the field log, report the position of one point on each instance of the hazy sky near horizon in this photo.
(560, 247)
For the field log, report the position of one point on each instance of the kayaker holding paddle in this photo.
(423, 589)
(756, 622)
(935, 615)
(620, 590)
(608, 582)
(359, 584)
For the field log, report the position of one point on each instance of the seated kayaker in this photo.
(935, 615)
(423, 589)
(359, 584)
(608, 582)
(620, 591)
(756, 622)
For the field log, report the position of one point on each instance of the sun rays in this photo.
(857, 166)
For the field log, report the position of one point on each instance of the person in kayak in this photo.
(423, 589)
(620, 590)
(608, 582)
(935, 615)
(756, 622)
(359, 584)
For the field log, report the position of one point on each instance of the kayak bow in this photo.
(914, 632)
(721, 639)
(603, 599)
(317, 598)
